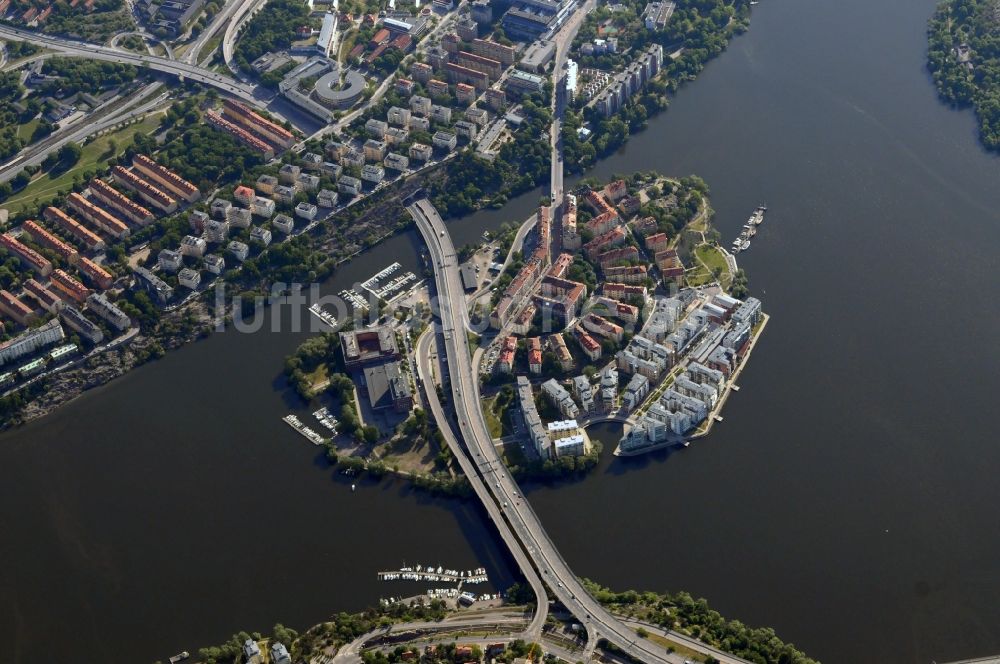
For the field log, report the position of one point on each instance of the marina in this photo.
(356, 300)
(383, 287)
(325, 418)
(294, 422)
(325, 316)
(437, 574)
(742, 241)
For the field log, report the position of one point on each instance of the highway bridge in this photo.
(502, 492)
(224, 84)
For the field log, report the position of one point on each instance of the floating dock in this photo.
(325, 316)
(382, 287)
(326, 419)
(296, 423)
(354, 299)
(437, 574)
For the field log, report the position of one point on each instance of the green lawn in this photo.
(44, 187)
(673, 646)
(492, 421)
(713, 258)
(25, 131)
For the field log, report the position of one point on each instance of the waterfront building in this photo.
(368, 346)
(560, 398)
(537, 435)
(31, 340)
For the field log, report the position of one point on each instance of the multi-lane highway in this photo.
(103, 118)
(534, 630)
(246, 92)
(502, 491)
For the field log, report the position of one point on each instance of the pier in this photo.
(435, 574)
(382, 289)
(713, 416)
(294, 422)
(325, 316)
(325, 418)
(354, 299)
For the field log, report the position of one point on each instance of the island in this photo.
(964, 61)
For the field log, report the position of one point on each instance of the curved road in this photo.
(248, 93)
(503, 490)
(423, 370)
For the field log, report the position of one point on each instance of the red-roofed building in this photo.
(84, 235)
(28, 256)
(244, 195)
(13, 308)
(589, 344)
(505, 362)
(36, 232)
(271, 132)
(534, 355)
(70, 287)
(166, 178)
(616, 190)
(97, 274)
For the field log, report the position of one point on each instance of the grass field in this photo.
(712, 262)
(44, 187)
(672, 646)
(25, 131)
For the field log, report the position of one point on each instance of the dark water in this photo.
(848, 500)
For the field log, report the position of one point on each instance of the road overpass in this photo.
(246, 92)
(502, 491)
(534, 630)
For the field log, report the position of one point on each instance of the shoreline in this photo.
(684, 441)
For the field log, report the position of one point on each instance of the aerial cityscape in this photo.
(435, 331)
